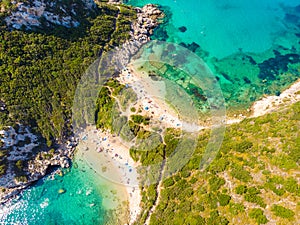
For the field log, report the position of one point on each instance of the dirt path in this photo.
(264, 106)
(158, 190)
(269, 104)
(272, 103)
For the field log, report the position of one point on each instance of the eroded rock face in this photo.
(29, 14)
(21, 162)
(114, 1)
(38, 167)
(148, 18)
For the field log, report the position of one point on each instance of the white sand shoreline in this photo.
(271, 103)
(109, 154)
(112, 162)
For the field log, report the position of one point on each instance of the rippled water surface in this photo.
(81, 202)
(253, 49)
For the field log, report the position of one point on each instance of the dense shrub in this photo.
(258, 215)
(282, 212)
(243, 146)
(241, 189)
(240, 173)
(252, 195)
(215, 183)
(223, 199)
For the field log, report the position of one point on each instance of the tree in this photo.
(258, 215)
(282, 212)
(241, 189)
(215, 183)
(223, 199)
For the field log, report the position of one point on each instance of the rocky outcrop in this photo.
(2, 106)
(115, 1)
(148, 18)
(34, 13)
(61, 157)
(30, 14)
(37, 167)
(21, 167)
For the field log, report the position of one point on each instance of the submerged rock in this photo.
(247, 81)
(274, 66)
(182, 29)
(192, 47)
(277, 93)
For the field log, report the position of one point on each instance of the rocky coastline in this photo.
(36, 168)
(148, 18)
(21, 170)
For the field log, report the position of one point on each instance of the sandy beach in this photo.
(155, 102)
(112, 162)
(109, 155)
(269, 104)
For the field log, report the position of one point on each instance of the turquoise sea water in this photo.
(251, 46)
(43, 204)
(222, 27)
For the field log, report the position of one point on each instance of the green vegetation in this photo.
(236, 208)
(241, 189)
(215, 183)
(254, 168)
(21, 179)
(3, 161)
(150, 147)
(138, 119)
(258, 216)
(224, 199)
(104, 109)
(282, 212)
(40, 70)
(3, 168)
(112, 99)
(19, 164)
(239, 173)
(241, 182)
(252, 195)
(244, 146)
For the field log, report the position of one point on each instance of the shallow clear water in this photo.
(251, 46)
(247, 44)
(43, 204)
(222, 27)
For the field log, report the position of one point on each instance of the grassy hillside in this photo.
(253, 180)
